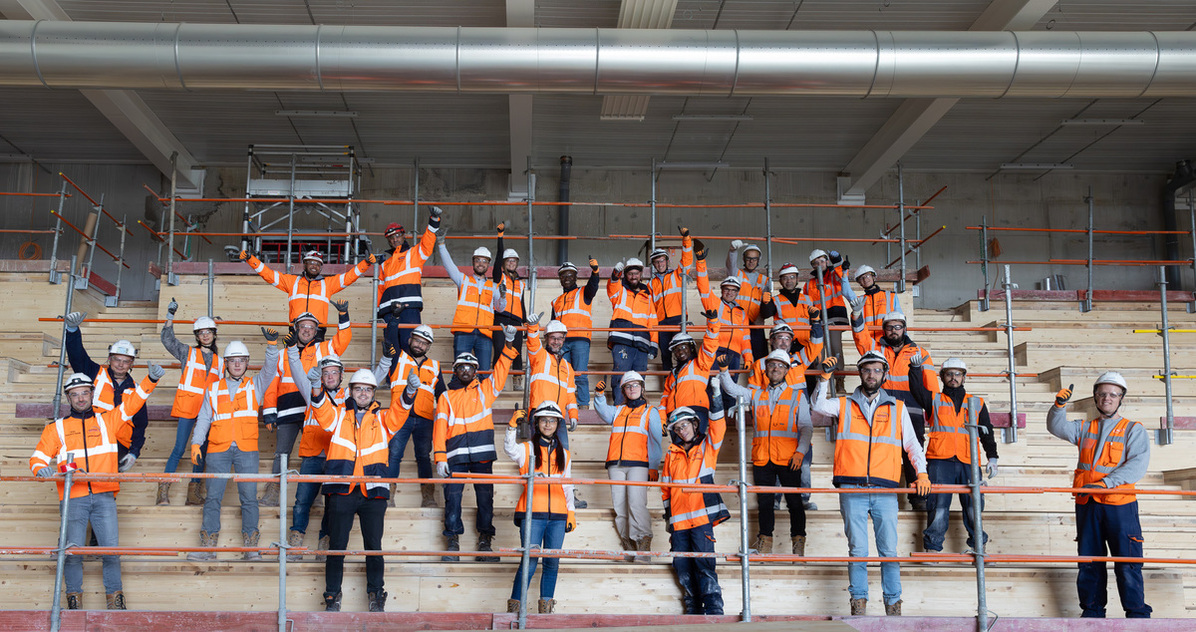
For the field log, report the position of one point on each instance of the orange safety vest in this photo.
(315, 439)
(834, 291)
(796, 315)
(735, 333)
(429, 373)
(696, 465)
(876, 305)
(403, 273)
(798, 363)
(574, 313)
(234, 416)
(635, 308)
(103, 397)
(776, 428)
(1112, 453)
(751, 293)
(552, 376)
(475, 308)
(868, 454)
(307, 295)
(514, 295)
(897, 379)
(195, 380)
(947, 436)
(463, 431)
(359, 449)
(282, 397)
(686, 385)
(548, 499)
(628, 445)
(667, 289)
(91, 442)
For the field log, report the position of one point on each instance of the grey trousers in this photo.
(631, 502)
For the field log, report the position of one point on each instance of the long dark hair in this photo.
(553, 444)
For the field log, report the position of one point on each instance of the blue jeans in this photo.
(100, 511)
(421, 430)
(577, 352)
(938, 506)
(485, 497)
(182, 443)
(626, 358)
(1117, 527)
(856, 508)
(546, 534)
(700, 591)
(478, 344)
(232, 459)
(305, 495)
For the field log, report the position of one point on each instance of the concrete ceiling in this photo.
(213, 128)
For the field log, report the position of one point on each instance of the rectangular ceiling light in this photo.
(712, 117)
(317, 113)
(1035, 166)
(1102, 122)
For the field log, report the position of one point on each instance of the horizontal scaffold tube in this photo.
(720, 63)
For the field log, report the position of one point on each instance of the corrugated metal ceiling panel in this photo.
(59, 125)
(829, 14)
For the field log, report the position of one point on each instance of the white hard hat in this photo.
(731, 280)
(780, 328)
(633, 263)
(236, 349)
(954, 363)
(567, 267)
(556, 327)
(203, 322)
(364, 376)
(122, 347)
(659, 252)
(423, 331)
(893, 316)
(313, 255)
(778, 355)
(815, 253)
(331, 360)
(682, 413)
(509, 253)
(1111, 377)
(629, 377)
(870, 357)
(465, 358)
(750, 248)
(682, 339)
(862, 270)
(76, 380)
(305, 316)
(482, 251)
(788, 268)
(548, 408)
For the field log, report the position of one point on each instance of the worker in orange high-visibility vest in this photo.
(86, 440)
(418, 428)
(687, 385)
(310, 292)
(948, 450)
(829, 289)
(1114, 454)
(632, 454)
(668, 291)
(789, 306)
(478, 300)
(690, 516)
(872, 430)
(202, 367)
(633, 339)
(400, 294)
(753, 285)
(506, 274)
(874, 303)
(575, 309)
(228, 422)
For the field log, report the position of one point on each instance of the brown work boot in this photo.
(116, 601)
(323, 545)
(512, 605)
(427, 495)
(763, 544)
(390, 501)
(893, 609)
(205, 539)
(859, 607)
(163, 494)
(294, 540)
(74, 601)
(627, 544)
(269, 496)
(643, 544)
(250, 539)
(799, 545)
(547, 606)
(196, 492)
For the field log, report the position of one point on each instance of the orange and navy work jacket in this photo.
(877, 303)
(308, 295)
(463, 431)
(431, 384)
(668, 288)
(832, 280)
(90, 441)
(197, 377)
(686, 385)
(551, 375)
(897, 379)
(947, 436)
(283, 398)
(869, 454)
(358, 448)
(634, 309)
(790, 308)
(403, 272)
(696, 465)
(1098, 459)
(550, 501)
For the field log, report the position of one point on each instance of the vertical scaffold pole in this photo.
(974, 430)
(375, 283)
(768, 215)
(652, 233)
(282, 540)
(55, 278)
(1192, 225)
(744, 563)
(1086, 305)
(70, 297)
(1166, 435)
(174, 192)
(1011, 436)
(291, 218)
(120, 263)
(415, 197)
(901, 220)
(531, 278)
(984, 262)
(60, 566)
(211, 290)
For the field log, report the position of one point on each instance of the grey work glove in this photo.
(441, 233)
(534, 319)
(442, 470)
(509, 332)
(857, 304)
(172, 307)
(126, 462)
(46, 472)
(736, 244)
(572, 425)
(619, 266)
(155, 371)
(916, 360)
(74, 319)
(413, 382)
(435, 211)
(992, 468)
(314, 375)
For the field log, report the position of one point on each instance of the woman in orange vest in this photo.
(828, 287)
(201, 368)
(574, 308)
(506, 275)
(552, 514)
(1114, 454)
(633, 454)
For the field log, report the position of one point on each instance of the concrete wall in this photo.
(1129, 202)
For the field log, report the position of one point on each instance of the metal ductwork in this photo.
(864, 64)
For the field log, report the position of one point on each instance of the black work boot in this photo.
(453, 544)
(484, 546)
(332, 603)
(378, 601)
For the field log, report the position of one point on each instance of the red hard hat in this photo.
(392, 228)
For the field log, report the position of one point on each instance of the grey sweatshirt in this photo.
(1134, 461)
(260, 382)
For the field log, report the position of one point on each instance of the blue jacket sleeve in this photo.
(77, 355)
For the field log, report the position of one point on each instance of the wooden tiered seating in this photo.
(1061, 349)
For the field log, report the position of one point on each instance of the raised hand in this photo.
(916, 360)
(814, 312)
(270, 334)
(441, 234)
(593, 264)
(857, 304)
(172, 307)
(390, 351)
(1062, 396)
(74, 319)
(243, 255)
(292, 338)
(828, 367)
(534, 319)
(736, 244)
(413, 381)
(341, 306)
(509, 332)
(684, 231)
(435, 212)
(700, 253)
(502, 228)
(711, 314)
(600, 387)
(313, 377)
(517, 418)
(155, 371)
(371, 259)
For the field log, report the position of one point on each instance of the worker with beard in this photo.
(400, 294)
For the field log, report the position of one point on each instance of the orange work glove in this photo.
(570, 522)
(517, 417)
(1062, 396)
(195, 454)
(828, 367)
(600, 387)
(653, 475)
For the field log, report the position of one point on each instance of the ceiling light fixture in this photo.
(1102, 122)
(1035, 166)
(317, 113)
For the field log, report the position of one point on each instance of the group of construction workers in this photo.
(902, 426)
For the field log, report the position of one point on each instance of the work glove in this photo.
(502, 288)
(441, 234)
(155, 371)
(389, 351)
(436, 212)
(828, 367)
(653, 475)
(1062, 396)
(916, 360)
(74, 319)
(835, 257)
(172, 307)
(501, 228)
(653, 352)
(684, 231)
(716, 389)
(341, 306)
(291, 339)
(397, 308)
(619, 267)
(46, 472)
(600, 387)
(413, 383)
(922, 485)
(711, 314)
(270, 334)
(517, 418)
(371, 258)
(593, 264)
(857, 304)
(795, 461)
(126, 462)
(314, 377)
(814, 313)
(736, 244)
(572, 424)
(442, 469)
(721, 359)
(534, 319)
(196, 454)
(244, 255)
(991, 468)
(1096, 485)
(509, 332)
(570, 523)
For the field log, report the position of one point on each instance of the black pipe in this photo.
(562, 245)
(1181, 179)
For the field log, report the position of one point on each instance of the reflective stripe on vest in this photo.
(475, 309)
(868, 454)
(1112, 453)
(776, 435)
(425, 397)
(103, 397)
(548, 498)
(195, 380)
(234, 417)
(574, 314)
(629, 438)
(947, 436)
